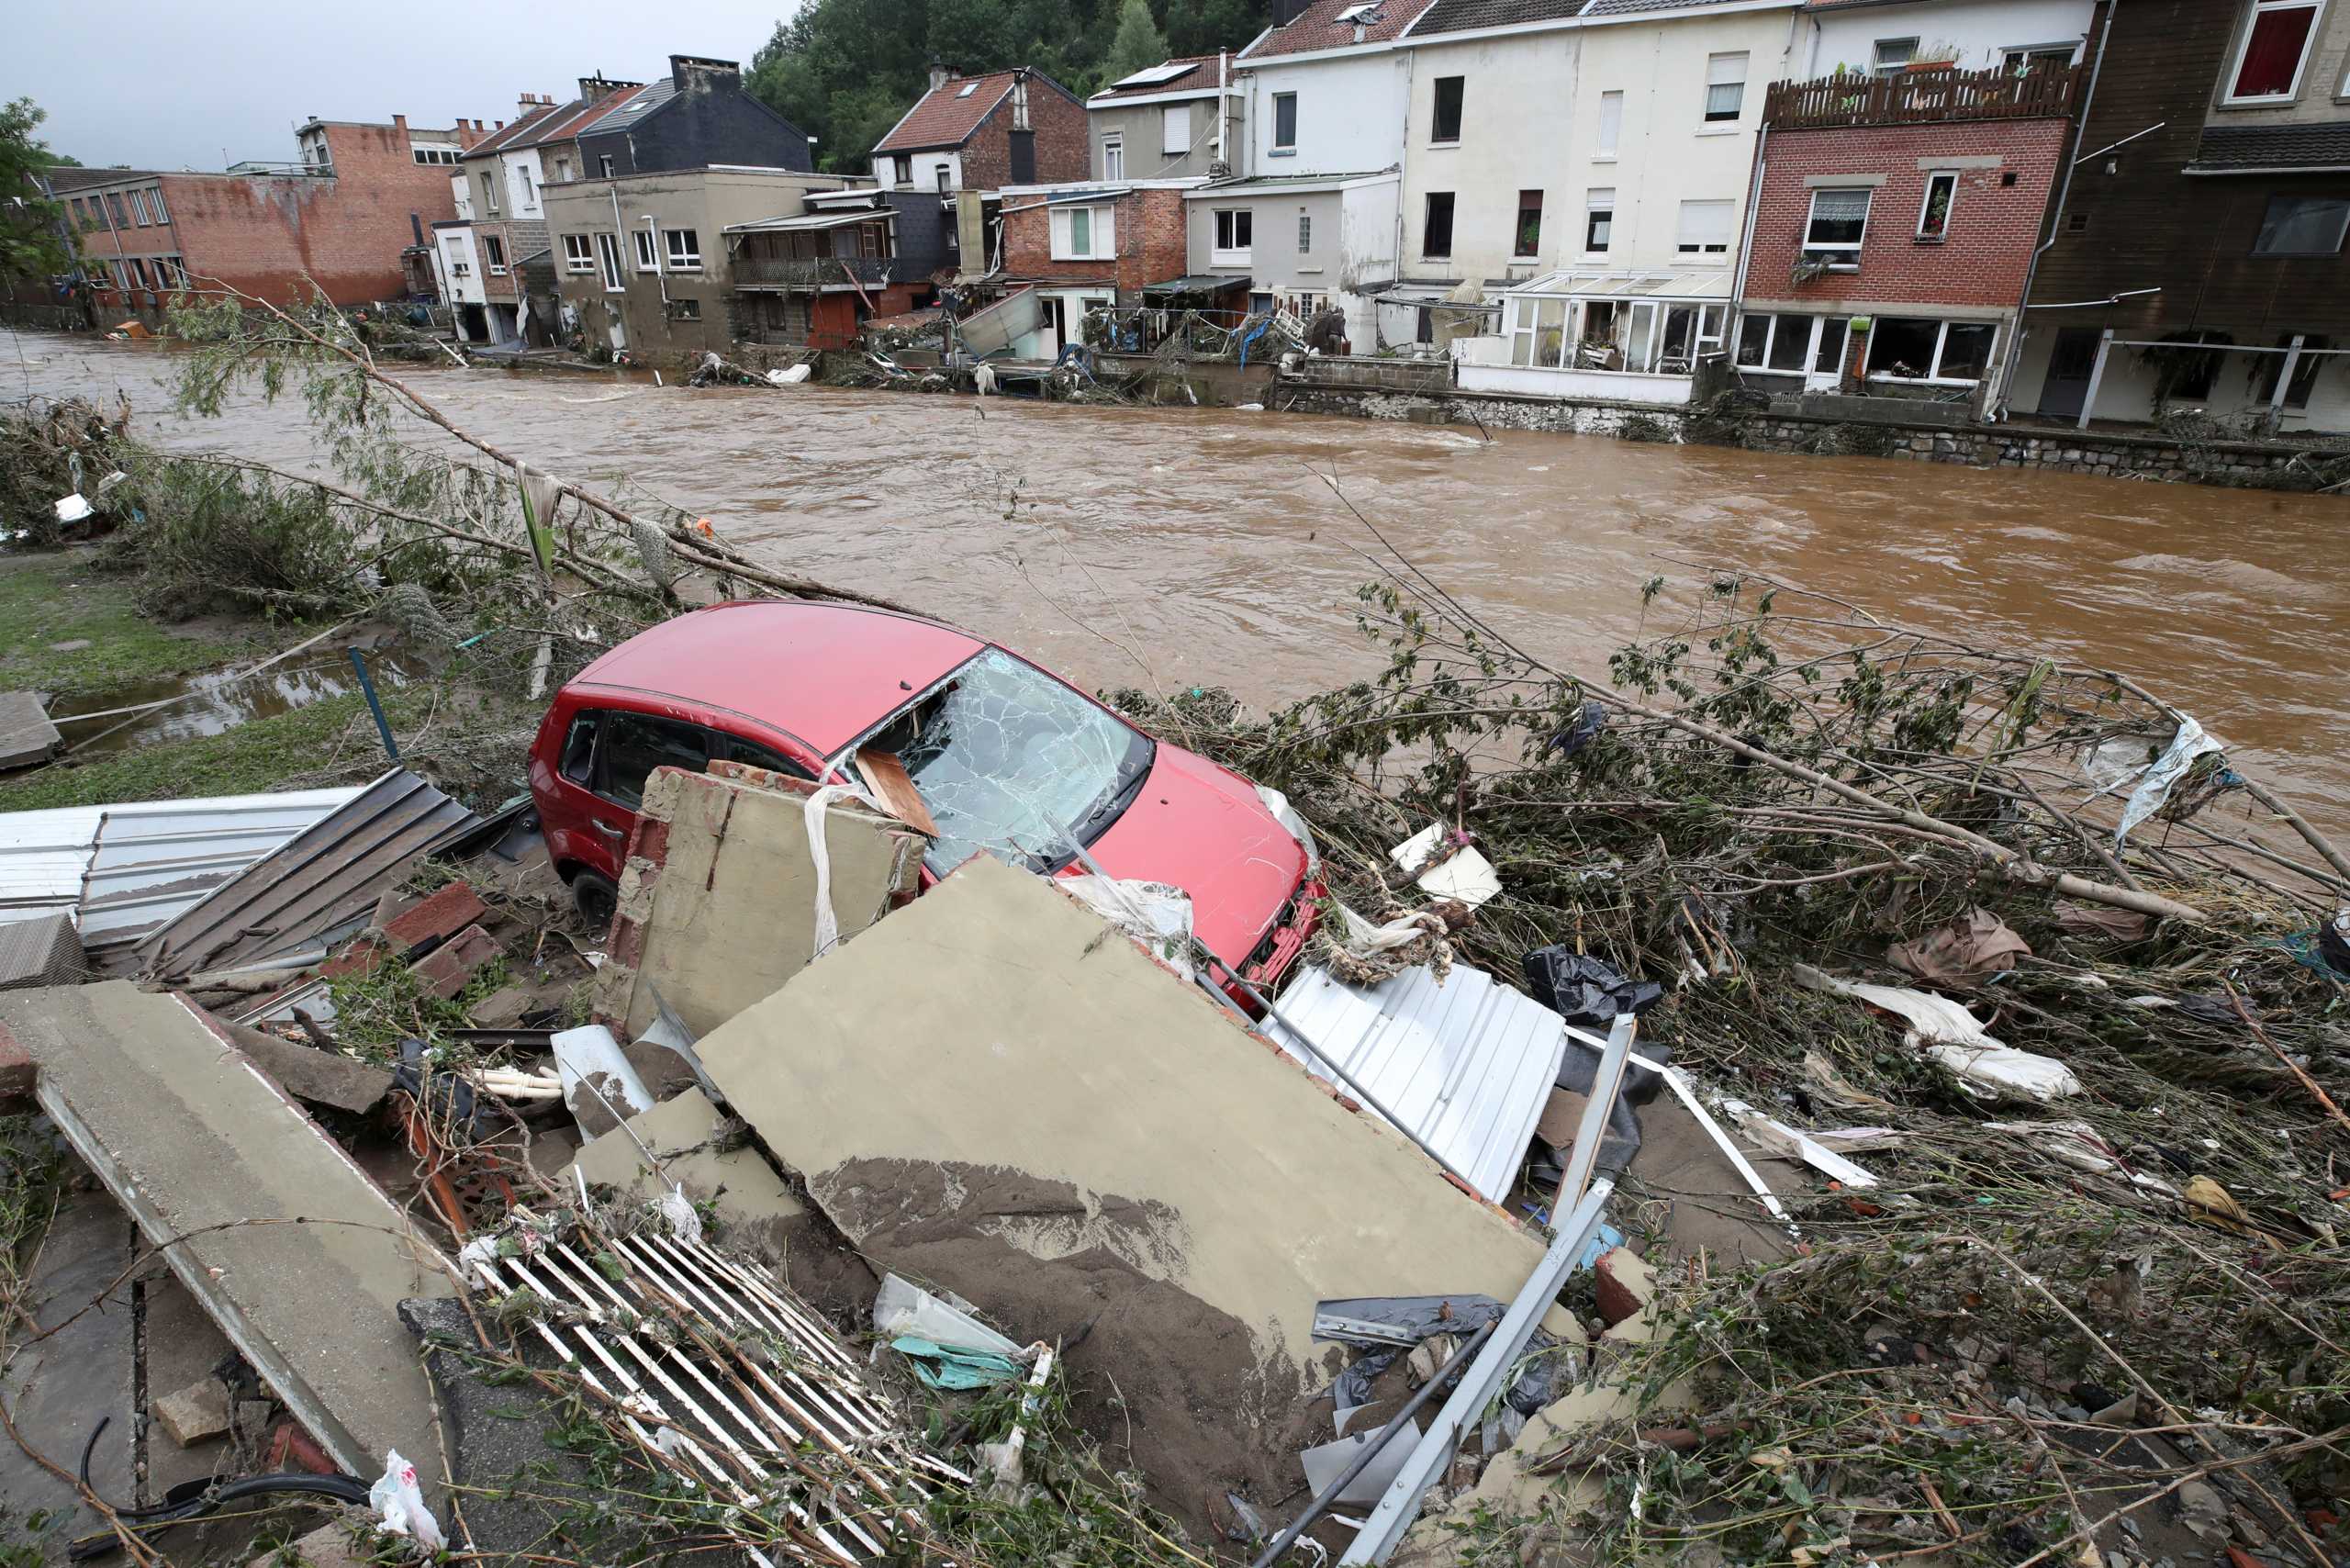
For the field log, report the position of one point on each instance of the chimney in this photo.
(399, 123)
(693, 74)
(939, 74)
(416, 226)
(594, 87)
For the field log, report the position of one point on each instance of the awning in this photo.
(1199, 283)
(1663, 283)
(811, 220)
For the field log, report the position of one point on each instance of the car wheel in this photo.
(595, 898)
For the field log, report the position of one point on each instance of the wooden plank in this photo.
(886, 775)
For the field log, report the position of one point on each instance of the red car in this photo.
(1007, 759)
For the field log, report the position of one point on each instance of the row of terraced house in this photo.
(2115, 210)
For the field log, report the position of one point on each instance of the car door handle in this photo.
(608, 829)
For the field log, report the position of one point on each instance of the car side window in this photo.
(636, 744)
(735, 748)
(579, 749)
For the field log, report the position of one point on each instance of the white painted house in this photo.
(1326, 92)
(1305, 242)
(1974, 35)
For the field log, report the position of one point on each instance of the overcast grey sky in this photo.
(171, 86)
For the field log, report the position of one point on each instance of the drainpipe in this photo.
(1754, 205)
(1223, 109)
(2056, 224)
(660, 262)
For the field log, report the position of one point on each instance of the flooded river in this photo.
(1208, 542)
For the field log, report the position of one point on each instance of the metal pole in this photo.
(1375, 1447)
(2097, 377)
(2284, 381)
(375, 704)
(1583, 1156)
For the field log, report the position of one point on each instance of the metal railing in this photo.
(1921, 97)
(814, 271)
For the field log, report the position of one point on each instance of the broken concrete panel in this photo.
(26, 735)
(718, 900)
(688, 1135)
(196, 1143)
(995, 1093)
(318, 1076)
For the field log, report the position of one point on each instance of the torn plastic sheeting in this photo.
(1583, 990)
(1966, 952)
(903, 1309)
(1327, 1462)
(1416, 1319)
(2155, 781)
(951, 1366)
(1952, 1036)
(1155, 914)
(1466, 875)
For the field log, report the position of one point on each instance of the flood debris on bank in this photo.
(1816, 1091)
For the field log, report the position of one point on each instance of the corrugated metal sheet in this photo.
(326, 876)
(45, 950)
(1467, 1065)
(122, 870)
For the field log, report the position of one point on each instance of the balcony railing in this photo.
(1921, 97)
(815, 272)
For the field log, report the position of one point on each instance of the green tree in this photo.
(32, 243)
(1203, 27)
(1137, 45)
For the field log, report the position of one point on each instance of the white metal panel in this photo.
(1467, 1065)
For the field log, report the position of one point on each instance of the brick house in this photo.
(817, 276)
(1912, 200)
(1084, 245)
(2197, 260)
(339, 219)
(1007, 128)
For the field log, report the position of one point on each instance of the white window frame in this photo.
(604, 165)
(1926, 202)
(2018, 54)
(138, 211)
(1435, 102)
(1100, 232)
(1223, 228)
(490, 190)
(1280, 146)
(1848, 252)
(1704, 249)
(579, 253)
(681, 250)
(648, 250)
(1517, 227)
(1934, 377)
(1113, 156)
(1526, 320)
(1611, 127)
(1175, 130)
(607, 262)
(1813, 333)
(1716, 66)
(2243, 46)
(493, 252)
(1304, 233)
(1592, 205)
(155, 200)
(1878, 66)
(529, 191)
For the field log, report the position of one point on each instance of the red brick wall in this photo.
(1063, 149)
(1151, 246)
(1993, 226)
(264, 234)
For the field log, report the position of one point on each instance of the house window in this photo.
(901, 170)
(1446, 124)
(1913, 348)
(1598, 218)
(563, 171)
(1235, 228)
(1529, 225)
(1789, 345)
(1084, 234)
(1285, 122)
(2302, 226)
(941, 177)
(2297, 391)
(608, 256)
(1611, 124)
(494, 253)
(1436, 226)
(1725, 86)
(530, 195)
(1894, 55)
(685, 309)
(1933, 213)
(1839, 217)
(2273, 51)
(1705, 228)
(1175, 130)
(684, 246)
(121, 214)
(1113, 157)
(577, 255)
(81, 214)
(2039, 57)
(1304, 233)
(139, 208)
(137, 271)
(648, 252)
(1538, 333)
(604, 165)
(489, 191)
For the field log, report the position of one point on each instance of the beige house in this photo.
(643, 258)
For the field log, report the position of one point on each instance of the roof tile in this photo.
(1462, 15)
(1199, 77)
(945, 117)
(2325, 146)
(1318, 27)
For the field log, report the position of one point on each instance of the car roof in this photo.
(826, 673)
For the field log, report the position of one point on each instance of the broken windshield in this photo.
(1009, 760)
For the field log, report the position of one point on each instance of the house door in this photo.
(1056, 330)
(2069, 364)
(1640, 343)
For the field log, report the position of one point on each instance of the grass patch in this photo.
(63, 597)
(255, 756)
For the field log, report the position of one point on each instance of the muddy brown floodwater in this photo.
(1207, 545)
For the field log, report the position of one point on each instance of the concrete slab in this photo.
(195, 1142)
(718, 899)
(183, 1345)
(58, 1390)
(995, 1092)
(688, 1135)
(26, 735)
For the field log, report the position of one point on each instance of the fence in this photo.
(1921, 97)
(1429, 374)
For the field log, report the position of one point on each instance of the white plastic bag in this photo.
(397, 1498)
(903, 1307)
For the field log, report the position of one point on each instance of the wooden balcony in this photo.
(1922, 97)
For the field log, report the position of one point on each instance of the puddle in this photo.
(217, 701)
